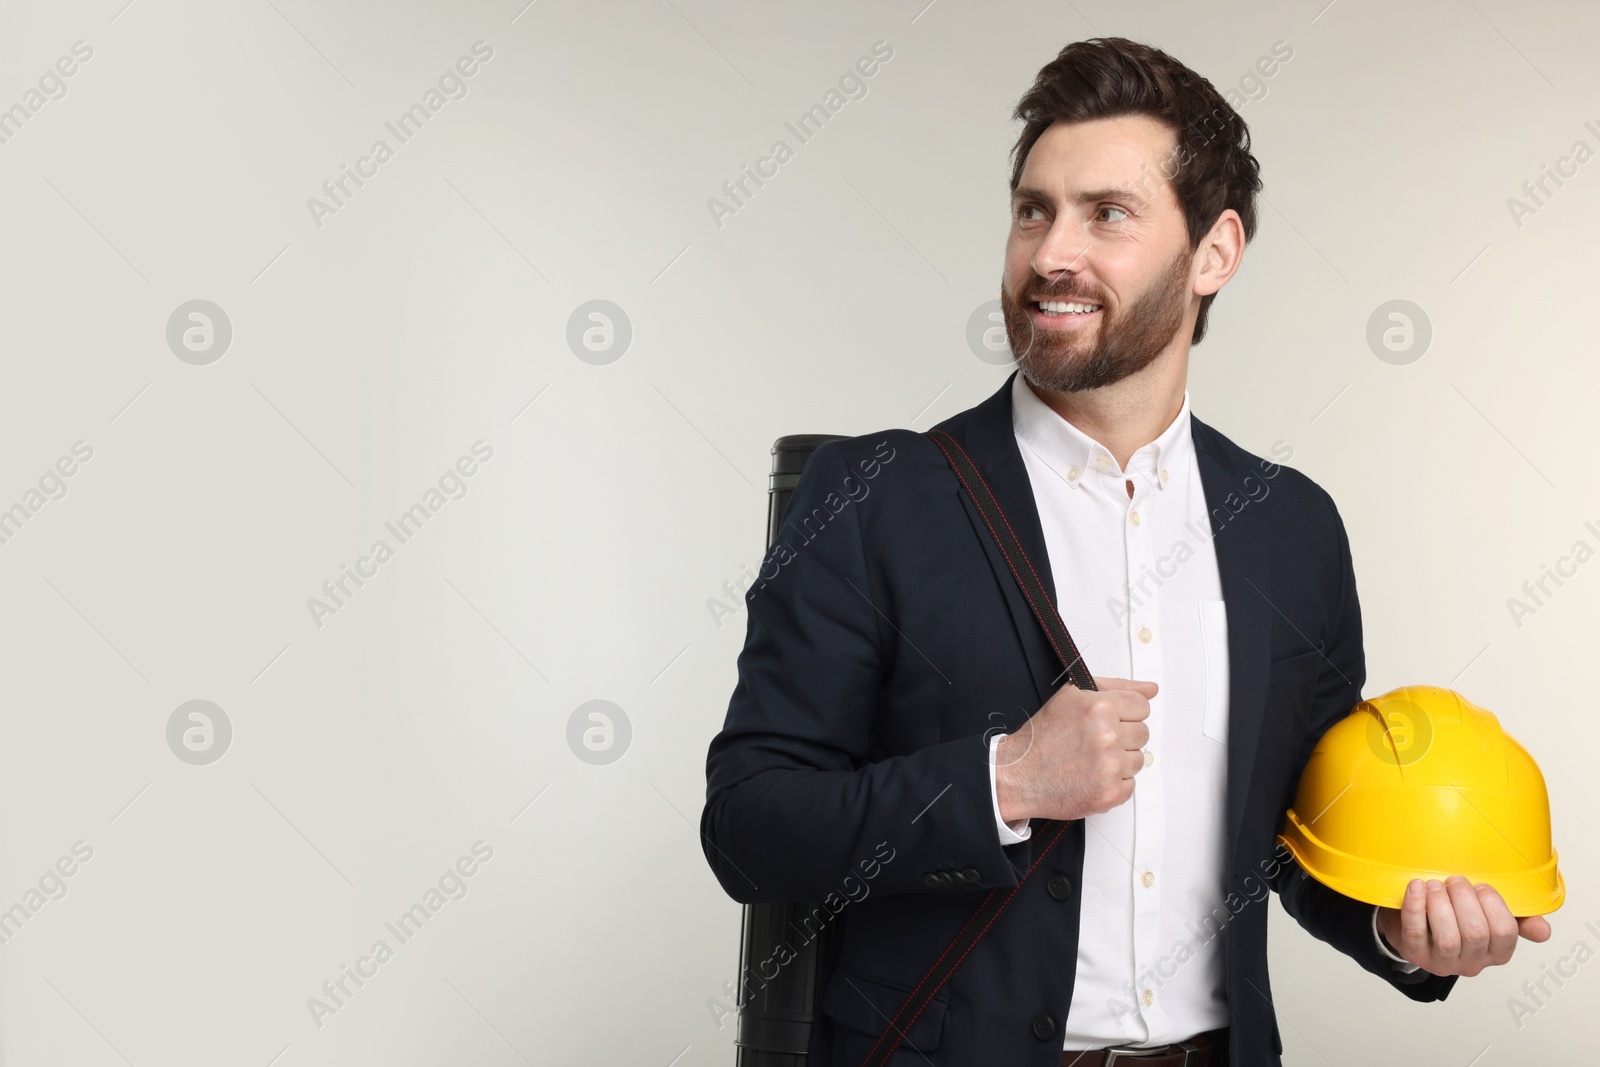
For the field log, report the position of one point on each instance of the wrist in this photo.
(1006, 783)
(1384, 944)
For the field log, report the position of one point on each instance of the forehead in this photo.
(1101, 153)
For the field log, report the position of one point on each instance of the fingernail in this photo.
(1414, 887)
(1434, 883)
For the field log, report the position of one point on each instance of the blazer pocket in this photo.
(1297, 668)
(867, 1004)
(1214, 636)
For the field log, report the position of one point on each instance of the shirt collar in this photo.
(1078, 457)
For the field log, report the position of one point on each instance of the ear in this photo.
(1220, 252)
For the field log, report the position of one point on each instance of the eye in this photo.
(1024, 209)
(1113, 207)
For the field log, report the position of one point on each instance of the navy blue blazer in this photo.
(886, 641)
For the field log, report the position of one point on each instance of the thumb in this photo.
(1144, 689)
(1534, 927)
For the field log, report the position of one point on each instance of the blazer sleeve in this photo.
(794, 806)
(1328, 915)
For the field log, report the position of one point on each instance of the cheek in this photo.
(1129, 271)
(1019, 251)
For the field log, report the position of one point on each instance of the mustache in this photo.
(1064, 292)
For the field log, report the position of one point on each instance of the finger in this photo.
(1502, 924)
(1470, 921)
(1128, 705)
(1135, 735)
(1444, 936)
(1413, 943)
(1534, 927)
(1144, 689)
(1133, 763)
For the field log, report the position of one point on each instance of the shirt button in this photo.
(1163, 474)
(1145, 635)
(1102, 461)
(1134, 518)
(1072, 474)
(1149, 757)
(1149, 879)
(1149, 996)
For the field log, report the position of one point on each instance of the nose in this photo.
(1060, 252)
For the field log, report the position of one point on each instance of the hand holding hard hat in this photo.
(1456, 927)
(1419, 803)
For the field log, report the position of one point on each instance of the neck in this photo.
(1129, 414)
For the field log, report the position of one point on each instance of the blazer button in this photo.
(1060, 886)
(972, 875)
(945, 878)
(1043, 1026)
(930, 879)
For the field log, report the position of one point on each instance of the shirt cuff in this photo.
(1009, 835)
(1403, 965)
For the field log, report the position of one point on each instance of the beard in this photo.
(1125, 343)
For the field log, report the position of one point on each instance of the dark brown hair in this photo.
(1105, 77)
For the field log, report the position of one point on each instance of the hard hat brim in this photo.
(1529, 891)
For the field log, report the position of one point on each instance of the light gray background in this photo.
(368, 354)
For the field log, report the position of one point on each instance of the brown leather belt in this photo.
(1208, 1049)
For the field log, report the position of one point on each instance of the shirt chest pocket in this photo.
(1214, 639)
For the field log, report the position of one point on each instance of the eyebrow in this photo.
(1088, 196)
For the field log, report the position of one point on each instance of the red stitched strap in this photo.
(1047, 833)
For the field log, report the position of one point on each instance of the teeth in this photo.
(1066, 307)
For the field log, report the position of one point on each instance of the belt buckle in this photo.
(1119, 1053)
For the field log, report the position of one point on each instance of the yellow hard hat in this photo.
(1422, 783)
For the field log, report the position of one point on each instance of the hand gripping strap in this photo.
(1048, 832)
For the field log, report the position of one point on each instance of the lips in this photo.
(1062, 314)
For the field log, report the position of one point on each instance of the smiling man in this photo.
(897, 691)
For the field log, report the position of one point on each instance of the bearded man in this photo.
(898, 694)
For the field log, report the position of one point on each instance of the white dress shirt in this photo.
(1138, 586)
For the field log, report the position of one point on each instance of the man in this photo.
(900, 716)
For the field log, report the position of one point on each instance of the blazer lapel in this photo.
(992, 442)
(1239, 541)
